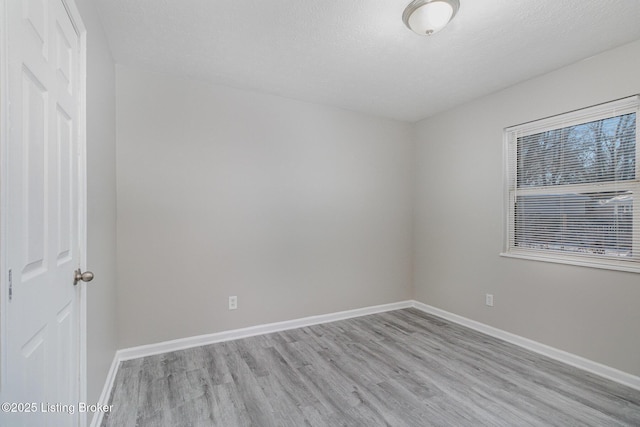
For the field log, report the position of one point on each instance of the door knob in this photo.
(87, 276)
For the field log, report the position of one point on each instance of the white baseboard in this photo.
(185, 343)
(543, 349)
(106, 390)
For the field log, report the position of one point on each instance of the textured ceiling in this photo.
(357, 54)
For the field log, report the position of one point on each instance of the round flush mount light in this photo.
(426, 17)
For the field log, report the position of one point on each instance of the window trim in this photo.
(597, 112)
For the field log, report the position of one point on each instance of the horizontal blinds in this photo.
(574, 184)
(594, 224)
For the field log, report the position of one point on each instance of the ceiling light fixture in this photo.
(425, 17)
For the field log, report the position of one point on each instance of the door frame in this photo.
(81, 130)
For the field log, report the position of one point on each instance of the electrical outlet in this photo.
(489, 300)
(233, 303)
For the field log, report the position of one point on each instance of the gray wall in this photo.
(295, 208)
(101, 203)
(459, 210)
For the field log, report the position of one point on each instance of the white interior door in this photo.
(42, 214)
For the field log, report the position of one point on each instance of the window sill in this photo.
(626, 266)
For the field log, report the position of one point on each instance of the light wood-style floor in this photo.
(400, 368)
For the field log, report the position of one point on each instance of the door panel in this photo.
(34, 138)
(36, 15)
(64, 186)
(64, 58)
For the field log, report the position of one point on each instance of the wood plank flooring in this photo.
(400, 368)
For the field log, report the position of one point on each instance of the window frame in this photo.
(510, 163)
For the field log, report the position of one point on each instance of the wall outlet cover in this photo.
(489, 300)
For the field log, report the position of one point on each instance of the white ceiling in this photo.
(357, 54)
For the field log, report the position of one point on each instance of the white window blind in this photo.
(572, 187)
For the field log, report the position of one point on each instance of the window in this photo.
(572, 188)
